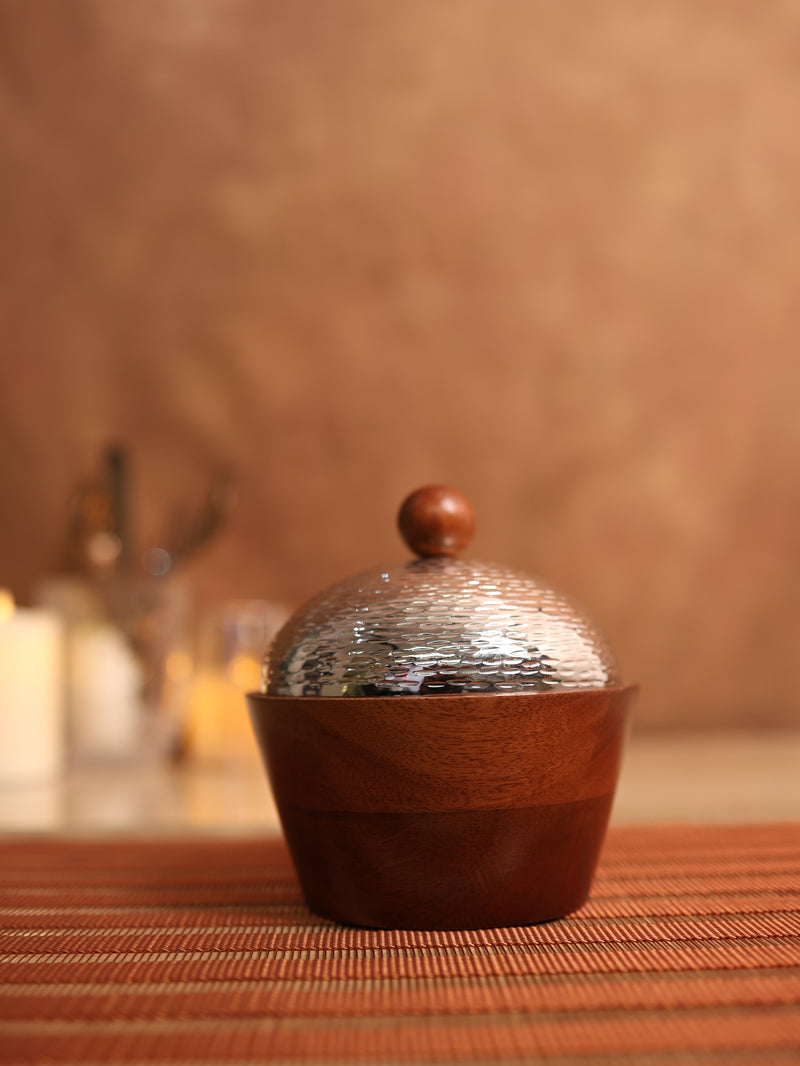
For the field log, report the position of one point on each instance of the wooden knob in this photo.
(436, 520)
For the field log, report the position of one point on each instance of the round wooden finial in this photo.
(436, 520)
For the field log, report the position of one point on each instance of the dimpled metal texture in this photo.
(437, 626)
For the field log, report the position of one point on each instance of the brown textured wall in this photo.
(546, 252)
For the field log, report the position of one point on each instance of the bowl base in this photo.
(448, 870)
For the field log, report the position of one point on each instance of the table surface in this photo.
(200, 949)
(690, 778)
(151, 914)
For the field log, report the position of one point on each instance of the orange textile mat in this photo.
(202, 951)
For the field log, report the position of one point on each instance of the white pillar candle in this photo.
(31, 694)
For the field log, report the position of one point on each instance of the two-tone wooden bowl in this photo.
(443, 738)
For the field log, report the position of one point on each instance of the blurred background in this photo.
(267, 266)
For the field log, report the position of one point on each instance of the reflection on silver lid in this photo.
(437, 626)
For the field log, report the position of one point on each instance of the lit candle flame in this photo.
(6, 605)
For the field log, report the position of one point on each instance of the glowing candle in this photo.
(31, 704)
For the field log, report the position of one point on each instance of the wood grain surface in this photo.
(428, 753)
(436, 520)
(444, 812)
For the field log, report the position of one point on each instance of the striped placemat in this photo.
(202, 951)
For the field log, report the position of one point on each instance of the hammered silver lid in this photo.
(437, 625)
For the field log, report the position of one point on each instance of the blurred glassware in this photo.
(126, 612)
(104, 684)
(230, 647)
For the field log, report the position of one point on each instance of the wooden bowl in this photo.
(444, 812)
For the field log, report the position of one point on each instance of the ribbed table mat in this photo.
(202, 951)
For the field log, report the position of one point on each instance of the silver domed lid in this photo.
(437, 625)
